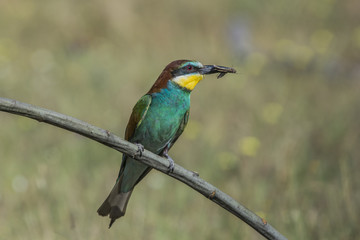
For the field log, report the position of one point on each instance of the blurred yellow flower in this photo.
(321, 40)
(249, 146)
(271, 112)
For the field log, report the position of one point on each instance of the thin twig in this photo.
(105, 137)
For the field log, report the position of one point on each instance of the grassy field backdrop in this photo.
(281, 136)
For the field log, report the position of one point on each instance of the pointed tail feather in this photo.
(115, 204)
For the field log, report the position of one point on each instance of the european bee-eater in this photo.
(156, 122)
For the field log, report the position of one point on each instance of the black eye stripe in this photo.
(185, 70)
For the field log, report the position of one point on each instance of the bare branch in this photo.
(148, 158)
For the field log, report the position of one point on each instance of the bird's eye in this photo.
(189, 67)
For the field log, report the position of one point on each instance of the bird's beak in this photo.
(210, 69)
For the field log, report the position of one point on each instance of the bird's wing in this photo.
(131, 171)
(138, 114)
(181, 128)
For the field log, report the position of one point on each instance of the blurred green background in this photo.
(281, 136)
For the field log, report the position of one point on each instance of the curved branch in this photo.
(105, 137)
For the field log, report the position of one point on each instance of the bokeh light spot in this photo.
(249, 146)
(20, 184)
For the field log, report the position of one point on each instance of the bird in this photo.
(156, 122)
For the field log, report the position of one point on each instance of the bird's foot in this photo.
(140, 150)
(171, 162)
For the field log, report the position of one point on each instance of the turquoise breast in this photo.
(163, 118)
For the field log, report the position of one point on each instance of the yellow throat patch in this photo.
(188, 81)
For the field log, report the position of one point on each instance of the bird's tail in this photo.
(115, 204)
